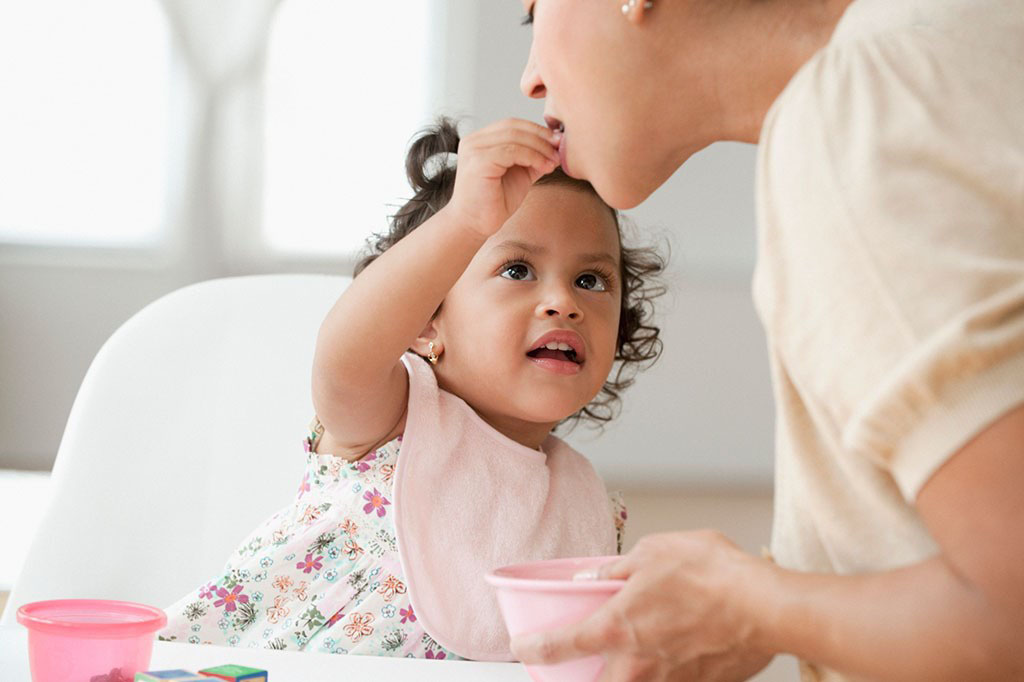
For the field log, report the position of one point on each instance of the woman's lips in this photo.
(563, 157)
(559, 127)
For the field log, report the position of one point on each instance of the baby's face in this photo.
(550, 274)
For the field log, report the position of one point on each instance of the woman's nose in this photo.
(530, 83)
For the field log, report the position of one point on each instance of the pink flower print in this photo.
(282, 582)
(310, 514)
(375, 500)
(363, 465)
(359, 626)
(208, 591)
(390, 587)
(228, 599)
(309, 563)
(352, 550)
(349, 527)
(439, 656)
(300, 591)
(334, 466)
(304, 486)
(407, 614)
(387, 471)
(335, 618)
(278, 610)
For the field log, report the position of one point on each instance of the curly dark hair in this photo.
(431, 173)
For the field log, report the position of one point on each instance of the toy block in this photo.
(169, 676)
(236, 673)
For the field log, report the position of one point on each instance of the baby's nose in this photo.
(562, 305)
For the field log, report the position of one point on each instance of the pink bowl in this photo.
(542, 595)
(81, 639)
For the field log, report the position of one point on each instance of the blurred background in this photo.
(146, 145)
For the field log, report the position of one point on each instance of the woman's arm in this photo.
(696, 607)
(359, 383)
(958, 616)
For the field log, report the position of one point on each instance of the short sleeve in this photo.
(619, 516)
(891, 268)
(316, 432)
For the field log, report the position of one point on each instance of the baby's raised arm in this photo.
(359, 384)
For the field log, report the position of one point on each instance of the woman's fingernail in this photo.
(588, 574)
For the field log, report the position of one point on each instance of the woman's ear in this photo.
(634, 10)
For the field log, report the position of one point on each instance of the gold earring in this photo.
(432, 356)
(630, 4)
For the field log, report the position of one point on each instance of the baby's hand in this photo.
(497, 165)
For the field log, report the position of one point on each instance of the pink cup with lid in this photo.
(76, 640)
(542, 595)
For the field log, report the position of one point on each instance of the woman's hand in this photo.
(682, 615)
(497, 165)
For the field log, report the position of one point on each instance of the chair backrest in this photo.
(185, 434)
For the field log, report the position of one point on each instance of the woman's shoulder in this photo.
(870, 128)
(900, 75)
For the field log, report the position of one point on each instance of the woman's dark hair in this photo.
(638, 345)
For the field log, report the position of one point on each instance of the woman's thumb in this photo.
(620, 569)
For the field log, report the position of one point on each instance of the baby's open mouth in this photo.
(556, 353)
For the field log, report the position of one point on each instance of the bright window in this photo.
(84, 106)
(347, 87)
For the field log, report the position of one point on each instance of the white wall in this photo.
(701, 416)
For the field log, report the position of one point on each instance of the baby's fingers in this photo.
(501, 156)
(502, 143)
(496, 167)
(518, 125)
(531, 138)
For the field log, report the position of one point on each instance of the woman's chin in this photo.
(618, 186)
(620, 194)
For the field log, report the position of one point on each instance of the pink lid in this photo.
(554, 575)
(100, 618)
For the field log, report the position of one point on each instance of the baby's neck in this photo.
(527, 434)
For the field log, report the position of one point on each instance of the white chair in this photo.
(185, 434)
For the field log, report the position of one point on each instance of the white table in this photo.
(19, 490)
(282, 666)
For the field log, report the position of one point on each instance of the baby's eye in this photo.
(519, 271)
(591, 282)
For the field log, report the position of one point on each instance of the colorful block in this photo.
(236, 673)
(169, 676)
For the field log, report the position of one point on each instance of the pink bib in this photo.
(468, 499)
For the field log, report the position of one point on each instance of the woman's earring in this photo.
(432, 357)
(627, 6)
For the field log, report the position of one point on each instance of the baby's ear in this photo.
(430, 334)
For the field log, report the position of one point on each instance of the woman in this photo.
(890, 281)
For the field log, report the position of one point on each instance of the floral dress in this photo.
(323, 574)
